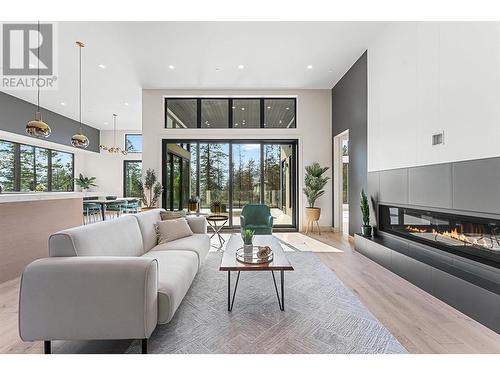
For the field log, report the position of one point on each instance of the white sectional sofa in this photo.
(109, 280)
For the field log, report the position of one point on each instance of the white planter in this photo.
(248, 251)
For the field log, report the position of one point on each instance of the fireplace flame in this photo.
(415, 229)
(462, 237)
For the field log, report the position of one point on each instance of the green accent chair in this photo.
(257, 217)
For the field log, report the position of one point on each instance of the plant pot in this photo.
(248, 251)
(366, 230)
(313, 213)
(147, 208)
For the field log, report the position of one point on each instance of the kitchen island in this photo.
(26, 222)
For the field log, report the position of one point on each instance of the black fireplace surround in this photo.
(471, 237)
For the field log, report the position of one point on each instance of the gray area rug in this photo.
(322, 315)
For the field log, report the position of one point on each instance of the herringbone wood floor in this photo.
(422, 323)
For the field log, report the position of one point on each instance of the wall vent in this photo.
(438, 138)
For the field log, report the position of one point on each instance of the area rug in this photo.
(321, 315)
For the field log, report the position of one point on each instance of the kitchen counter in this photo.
(28, 197)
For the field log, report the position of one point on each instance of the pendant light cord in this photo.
(114, 131)
(80, 87)
(38, 69)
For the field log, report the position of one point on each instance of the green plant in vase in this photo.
(366, 229)
(85, 182)
(247, 237)
(215, 206)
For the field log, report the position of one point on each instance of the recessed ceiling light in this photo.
(268, 107)
(171, 67)
(242, 108)
(125, 104)
(63, 104)
(236, 124)
(330, 70)
(241, 66)
(309, 67)
(105, 123)
(102, 66)
(217, 69)
(234, 107)
(287, 108)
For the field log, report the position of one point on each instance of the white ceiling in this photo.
(137, 55)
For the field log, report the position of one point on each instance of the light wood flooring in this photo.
(422, 323)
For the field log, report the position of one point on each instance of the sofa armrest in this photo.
(88, 298)
(198, 224)
(270, 221)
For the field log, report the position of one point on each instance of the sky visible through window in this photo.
(133, 142)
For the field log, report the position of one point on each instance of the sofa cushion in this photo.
(171, 230)
(176, 271)
(147, 221)
(118, 237)
(197, 243)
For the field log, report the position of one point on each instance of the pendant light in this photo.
(79, 140)
(37, 128)
(114, 149)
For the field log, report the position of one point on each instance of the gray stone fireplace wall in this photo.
(467, 187)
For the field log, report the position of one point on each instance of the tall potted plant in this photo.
(366, 229)
(314, 182)
(150, 190)
(85, 182)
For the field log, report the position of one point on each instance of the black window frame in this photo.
(294, 197)
(125, 143)
(230, 110)
(17, 167)
(125, 163)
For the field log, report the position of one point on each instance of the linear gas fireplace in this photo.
(472, 237)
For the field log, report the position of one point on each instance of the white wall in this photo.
(313, 132)
(108, 168)
(426, 77)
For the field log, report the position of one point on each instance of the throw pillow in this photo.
(172, 215)
(170, 230)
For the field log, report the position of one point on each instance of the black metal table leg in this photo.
(282, 290)
(281, 300)
(230, 302)
(228, 290)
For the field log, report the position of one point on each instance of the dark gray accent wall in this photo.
(465, 187)
(471, 187)
(15, 114)
(349, 112)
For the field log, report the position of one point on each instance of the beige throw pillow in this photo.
(172, 215)
(170, 230)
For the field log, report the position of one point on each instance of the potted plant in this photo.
(366, 229)
(314, 182)
(247, 237)
(215, 206)
(193, 204)
(85, 182)
(150, 190)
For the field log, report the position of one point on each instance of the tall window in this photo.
(210, 113)
(133, 143)
(132, 173)
(232, 173)
(7, 165)
(30, 168)
(62, 171)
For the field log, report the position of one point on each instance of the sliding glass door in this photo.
(230, 174)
